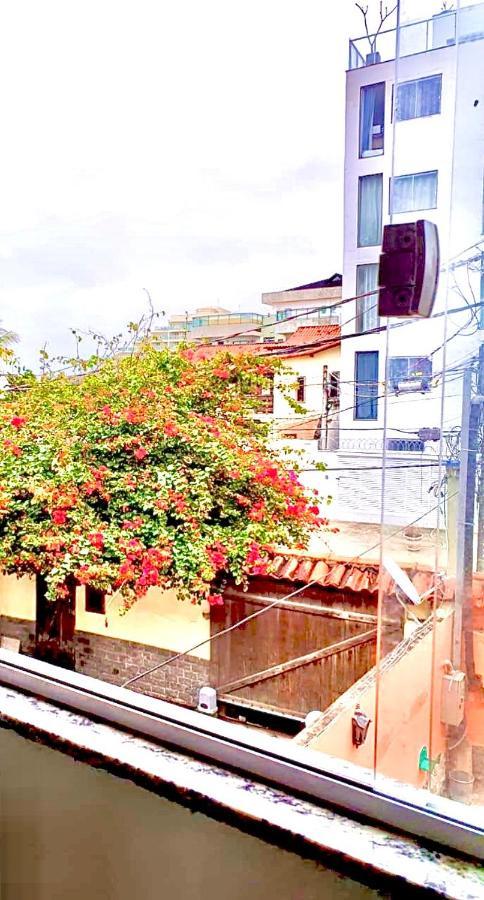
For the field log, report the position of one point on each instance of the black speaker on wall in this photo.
(408, 274)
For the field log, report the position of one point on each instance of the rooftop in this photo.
(435, 33)
(310, 334)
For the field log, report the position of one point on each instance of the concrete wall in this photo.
(408, 699)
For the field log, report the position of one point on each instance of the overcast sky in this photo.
(191, 148)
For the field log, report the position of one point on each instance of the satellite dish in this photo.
(402, 580)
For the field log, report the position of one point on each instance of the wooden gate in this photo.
(297, 656)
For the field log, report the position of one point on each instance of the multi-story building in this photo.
(414, 150)
(211, 323)
(313, 304)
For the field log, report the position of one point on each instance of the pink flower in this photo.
(97, 540)
(171, 430)
(215, 599)
(59, 516)
(140, 453)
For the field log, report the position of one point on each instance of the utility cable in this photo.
(265, 609)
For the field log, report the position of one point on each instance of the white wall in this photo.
(310, 368)
(420, 144)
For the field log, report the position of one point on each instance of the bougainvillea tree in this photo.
(147, 470)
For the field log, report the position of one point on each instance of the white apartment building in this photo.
(414, 150)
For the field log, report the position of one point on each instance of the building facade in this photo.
(414, 150)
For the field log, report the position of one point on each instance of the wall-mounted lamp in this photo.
(360, 724)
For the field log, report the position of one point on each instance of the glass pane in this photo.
(372, 119)
(367, 307)
(370, 210)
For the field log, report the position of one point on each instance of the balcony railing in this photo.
(439, 31)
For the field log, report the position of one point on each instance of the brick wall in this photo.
(114, 660)
(22, 629)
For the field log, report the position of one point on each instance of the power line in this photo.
(265, 609)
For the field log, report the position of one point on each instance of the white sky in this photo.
(191, 148)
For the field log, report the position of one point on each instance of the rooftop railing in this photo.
(434, 33)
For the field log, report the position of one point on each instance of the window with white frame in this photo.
(418, 98)
(409, 373)
(372, 119)
(413, 192)
(366, 306)
(370, 197)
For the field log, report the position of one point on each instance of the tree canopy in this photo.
(147, 470)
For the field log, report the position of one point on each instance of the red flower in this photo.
(18, 421)
(140, 453)
(258, 511)
(171, 430)
(215, 599)
(59, 516)
(222, 372)
(96, 539)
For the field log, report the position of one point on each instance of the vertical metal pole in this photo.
(465, 528)
(480, 453)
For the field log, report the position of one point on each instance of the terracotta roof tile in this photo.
(308, 334)
(356, 575)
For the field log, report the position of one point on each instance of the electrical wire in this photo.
(265, 609)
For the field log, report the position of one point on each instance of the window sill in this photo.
(274, 814)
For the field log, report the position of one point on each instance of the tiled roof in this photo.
(207, 351)
(309, 334)
(356, 575)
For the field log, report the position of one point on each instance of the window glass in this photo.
(409, 373)
(370, 195)
(372, 119)
(367, 307)
(418, 98)
(366, 384)
(414, 192)
(301, 389)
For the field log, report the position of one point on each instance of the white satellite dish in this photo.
(402, 580)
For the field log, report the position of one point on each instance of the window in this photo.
(370, 192)
(95, 600)
(372, 119)
(267, 396)
(418, 98)
(282, 314)
(333, 388)
(413, 192)
(301, 389)
(409, 373)
(366, 385)
(366, 307)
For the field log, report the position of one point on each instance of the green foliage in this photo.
(144, 470)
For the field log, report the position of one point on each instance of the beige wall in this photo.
(158, 619)
(311, 368)
(17, 597)
(406, 705)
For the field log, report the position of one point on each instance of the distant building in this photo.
(210, 323)
(313, 304)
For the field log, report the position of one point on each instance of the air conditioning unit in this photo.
(412, 385)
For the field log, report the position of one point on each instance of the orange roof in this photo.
(310, 334)
(356, 575)
(208, 351)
